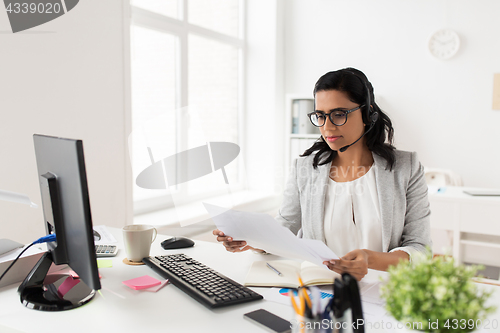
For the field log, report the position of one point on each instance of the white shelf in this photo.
(473, 222)
(479, 243)
(295, 143)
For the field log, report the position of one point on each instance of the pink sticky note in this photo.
(142, 282)
(75, 275)
(67, 285)
(158, 287)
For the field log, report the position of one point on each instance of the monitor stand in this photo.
(55, 292)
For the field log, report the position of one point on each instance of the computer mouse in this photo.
(176, 243)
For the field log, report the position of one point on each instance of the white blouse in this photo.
(352, 216)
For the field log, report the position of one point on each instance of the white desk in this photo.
(122, 309)
(458, 212)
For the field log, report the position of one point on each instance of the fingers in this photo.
(352, 267)
(238, 246)
(347, 264)
(356, 268)
(229, 243)
(246, 248)
(350, 256)
(221, 237)
(224, 239)
(357, 275)
(217, 232)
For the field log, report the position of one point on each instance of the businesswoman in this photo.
(352, 189)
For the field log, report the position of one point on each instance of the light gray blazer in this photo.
(402, 193)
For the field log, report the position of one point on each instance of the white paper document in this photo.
(264, 232)
(13, 254)
(105, 236)
(16, 197)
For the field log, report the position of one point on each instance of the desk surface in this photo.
(121, 309)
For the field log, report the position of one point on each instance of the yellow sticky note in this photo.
(104, 263)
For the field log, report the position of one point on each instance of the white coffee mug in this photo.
(137, 239)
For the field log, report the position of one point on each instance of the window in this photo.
(186, 74)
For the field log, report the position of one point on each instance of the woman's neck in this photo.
(351, 164)
(355, 156)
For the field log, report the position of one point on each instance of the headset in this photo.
(372, 115)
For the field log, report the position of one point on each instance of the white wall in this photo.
(441, 109)
(263, 123)
(65, 78)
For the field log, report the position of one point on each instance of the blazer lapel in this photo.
(385, 188)
(318, 195)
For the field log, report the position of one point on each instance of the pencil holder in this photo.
(301, 324)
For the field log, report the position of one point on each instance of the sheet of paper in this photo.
(16, 197)
(366, 284)
(264, 232)
(275, 295)
(106, 236)
(371, 293)
(7, 245)
(377, 310)
(13, 254)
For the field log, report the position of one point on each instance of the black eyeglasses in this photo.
(338, 117)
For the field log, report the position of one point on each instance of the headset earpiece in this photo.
(374, 117)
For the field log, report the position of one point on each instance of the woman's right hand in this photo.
(230, 244)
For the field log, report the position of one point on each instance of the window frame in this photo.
(181, 29)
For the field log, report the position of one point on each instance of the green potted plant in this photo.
(435, 295)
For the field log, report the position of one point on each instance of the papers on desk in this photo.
(264, 232)
(372, 304)
(16, 197)
(106, 236)
(280, 295)
(22, 267)
(9, 256)
(7, 245)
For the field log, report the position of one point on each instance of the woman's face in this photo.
(339, 136)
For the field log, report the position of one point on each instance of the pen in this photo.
(274, 269)
(306, 296)
(294, 304)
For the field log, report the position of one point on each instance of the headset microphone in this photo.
(374, 118)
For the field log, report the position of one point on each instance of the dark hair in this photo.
(355, 84)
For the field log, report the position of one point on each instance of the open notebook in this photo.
(262, 276)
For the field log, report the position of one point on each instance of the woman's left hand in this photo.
(354, 263)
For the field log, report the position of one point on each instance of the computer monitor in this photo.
(66, 210)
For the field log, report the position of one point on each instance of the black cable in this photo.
(19, 256)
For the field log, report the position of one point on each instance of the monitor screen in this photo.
(66, 209)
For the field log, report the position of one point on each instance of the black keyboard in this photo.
(201, 282)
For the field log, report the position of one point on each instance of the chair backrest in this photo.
(442, 177)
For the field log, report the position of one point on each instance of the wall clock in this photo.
(444, 44)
